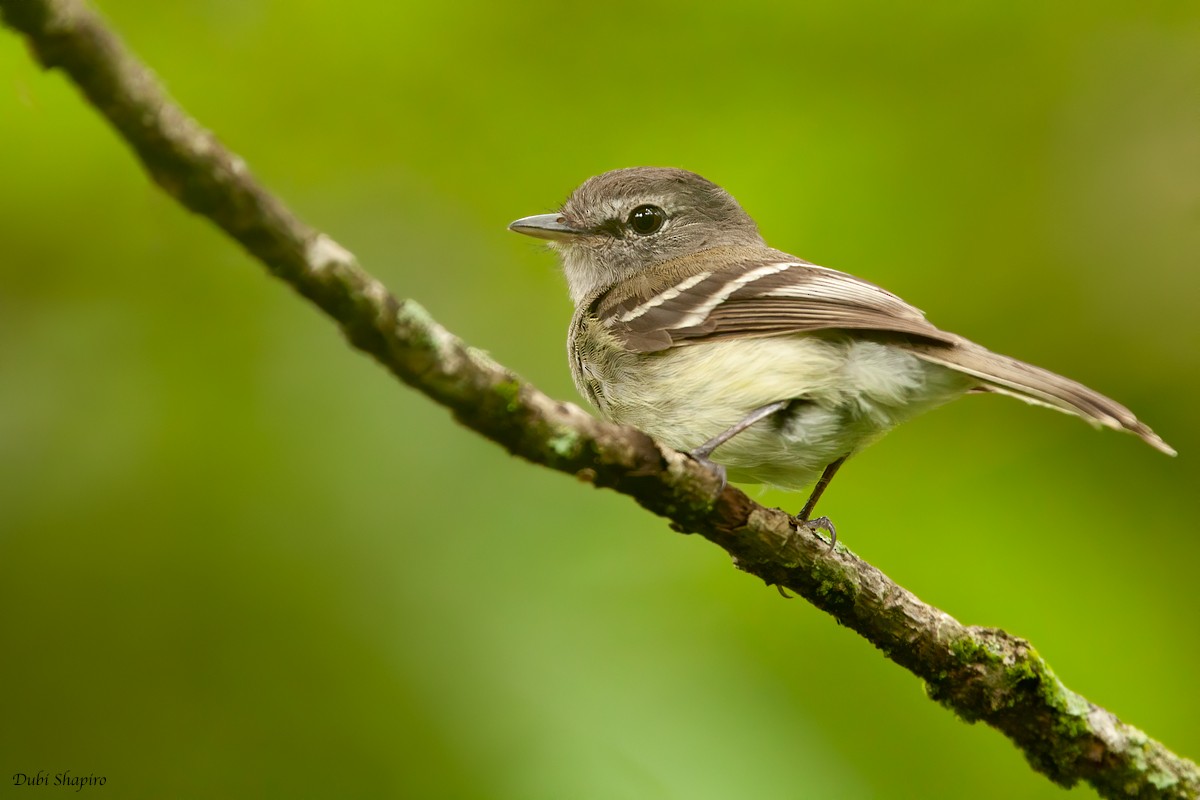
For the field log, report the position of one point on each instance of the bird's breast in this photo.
(845, 393)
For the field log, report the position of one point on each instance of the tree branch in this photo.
(981, 673)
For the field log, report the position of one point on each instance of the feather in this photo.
(728, 293)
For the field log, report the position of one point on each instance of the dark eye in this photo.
(645, 220)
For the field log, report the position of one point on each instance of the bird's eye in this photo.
(645, 220)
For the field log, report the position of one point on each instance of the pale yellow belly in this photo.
(852, 393)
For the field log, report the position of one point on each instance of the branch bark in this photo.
(982, 674)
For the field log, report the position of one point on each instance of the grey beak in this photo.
(544, 226)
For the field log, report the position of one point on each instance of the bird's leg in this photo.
(820, 523)
(705, 450)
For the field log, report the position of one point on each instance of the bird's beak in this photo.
(545, 226)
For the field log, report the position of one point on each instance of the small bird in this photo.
(763, 366)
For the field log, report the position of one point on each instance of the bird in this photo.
(764, 367)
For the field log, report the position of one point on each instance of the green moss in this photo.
(969, 651)
(565, 442)
(1161, 779)
(510, 392)
(1072, 733)
(1023, 670)
(1073, 708)
(421, 325)
(832, 583)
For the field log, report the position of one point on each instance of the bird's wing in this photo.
(754, 298)
(773, 297)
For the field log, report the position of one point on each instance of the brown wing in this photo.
(755, 298)
(680, 305)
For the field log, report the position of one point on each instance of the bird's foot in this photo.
(700, 455)
(819, 524)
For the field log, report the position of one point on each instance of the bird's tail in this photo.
(1038, 386)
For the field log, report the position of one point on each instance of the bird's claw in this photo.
(702, 458)
(819, 524)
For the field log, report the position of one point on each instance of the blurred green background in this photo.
(240, 560)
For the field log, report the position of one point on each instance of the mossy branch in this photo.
(982, 674)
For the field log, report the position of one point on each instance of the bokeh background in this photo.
(239, 560)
